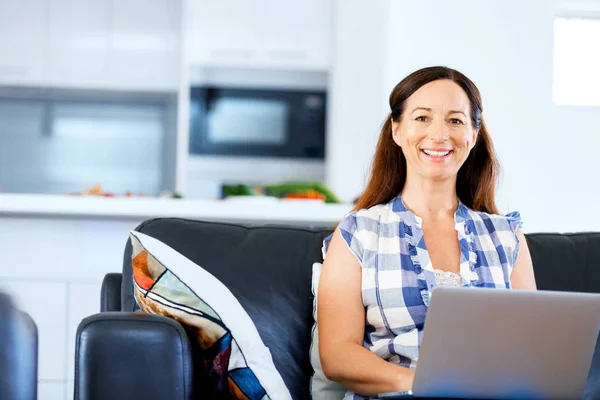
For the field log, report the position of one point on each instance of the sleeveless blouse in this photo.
(398, 277)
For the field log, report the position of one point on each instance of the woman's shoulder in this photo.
(362, 219)
(497, 222)
(369, 218)
(360, 228)
(374, 212)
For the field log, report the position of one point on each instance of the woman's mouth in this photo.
(437, 154)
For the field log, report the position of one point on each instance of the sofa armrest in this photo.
(18, 353)
(110, 293)
(132, 356)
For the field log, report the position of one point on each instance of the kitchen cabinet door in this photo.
(223, 32)
(145, 44)
(78, 43)
(296, 33)
(260, 33)
(22, 41)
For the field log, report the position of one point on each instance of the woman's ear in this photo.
(475, 136)
(396, 132)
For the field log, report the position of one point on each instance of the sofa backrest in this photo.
(268, 269)
(570, 262)
(566, 262)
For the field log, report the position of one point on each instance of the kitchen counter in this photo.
(246, 210)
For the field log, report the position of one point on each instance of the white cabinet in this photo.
(79, 40)
(259, 33)
(116, 44)
(91, 44)
(145, 44)
(222, 31)
(296, 32)
(22, 41)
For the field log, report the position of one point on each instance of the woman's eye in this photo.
(456, 121)
(421, 118)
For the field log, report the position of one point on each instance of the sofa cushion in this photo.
(238, 363)
(269, 271)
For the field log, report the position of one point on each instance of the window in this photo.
(576, 61)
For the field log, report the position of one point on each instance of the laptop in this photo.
(505, 344)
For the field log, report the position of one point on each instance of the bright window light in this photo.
(576, 61)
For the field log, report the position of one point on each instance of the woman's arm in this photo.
(341, 319)
(522, 276)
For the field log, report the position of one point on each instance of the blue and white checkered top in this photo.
(397, 275)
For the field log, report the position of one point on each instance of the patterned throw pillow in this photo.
(239, 365)
(321, 388)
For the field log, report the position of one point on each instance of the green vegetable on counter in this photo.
(281, 190)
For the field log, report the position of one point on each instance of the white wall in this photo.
(357, 100)
(551, 172)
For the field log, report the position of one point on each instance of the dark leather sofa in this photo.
(18, 353)
(268, 269)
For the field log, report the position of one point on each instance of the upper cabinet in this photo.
(260, 33)
(222, 30)
(96, 44)
(141, 44)
(297, 32)
(145, 43)
(22, 41)
(78, 43)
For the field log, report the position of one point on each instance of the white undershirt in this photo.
(445, 278)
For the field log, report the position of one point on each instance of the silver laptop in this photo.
(506, 344)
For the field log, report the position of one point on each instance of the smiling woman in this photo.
(443, 106)
(427, 217)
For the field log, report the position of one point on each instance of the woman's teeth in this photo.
(436, 153)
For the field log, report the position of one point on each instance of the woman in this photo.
(427, 217)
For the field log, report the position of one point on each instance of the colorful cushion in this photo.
(321, 388)
(239, 365)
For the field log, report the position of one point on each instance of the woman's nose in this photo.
(439, 132)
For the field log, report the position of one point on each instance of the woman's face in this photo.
(435, 130)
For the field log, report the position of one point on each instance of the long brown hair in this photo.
(477, 178)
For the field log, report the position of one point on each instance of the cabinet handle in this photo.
(288, 55)
(229, 54)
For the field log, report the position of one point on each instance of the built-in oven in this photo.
(242, 121)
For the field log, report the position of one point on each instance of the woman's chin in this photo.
(439, 175)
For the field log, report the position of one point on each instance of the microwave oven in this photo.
(242, 121)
